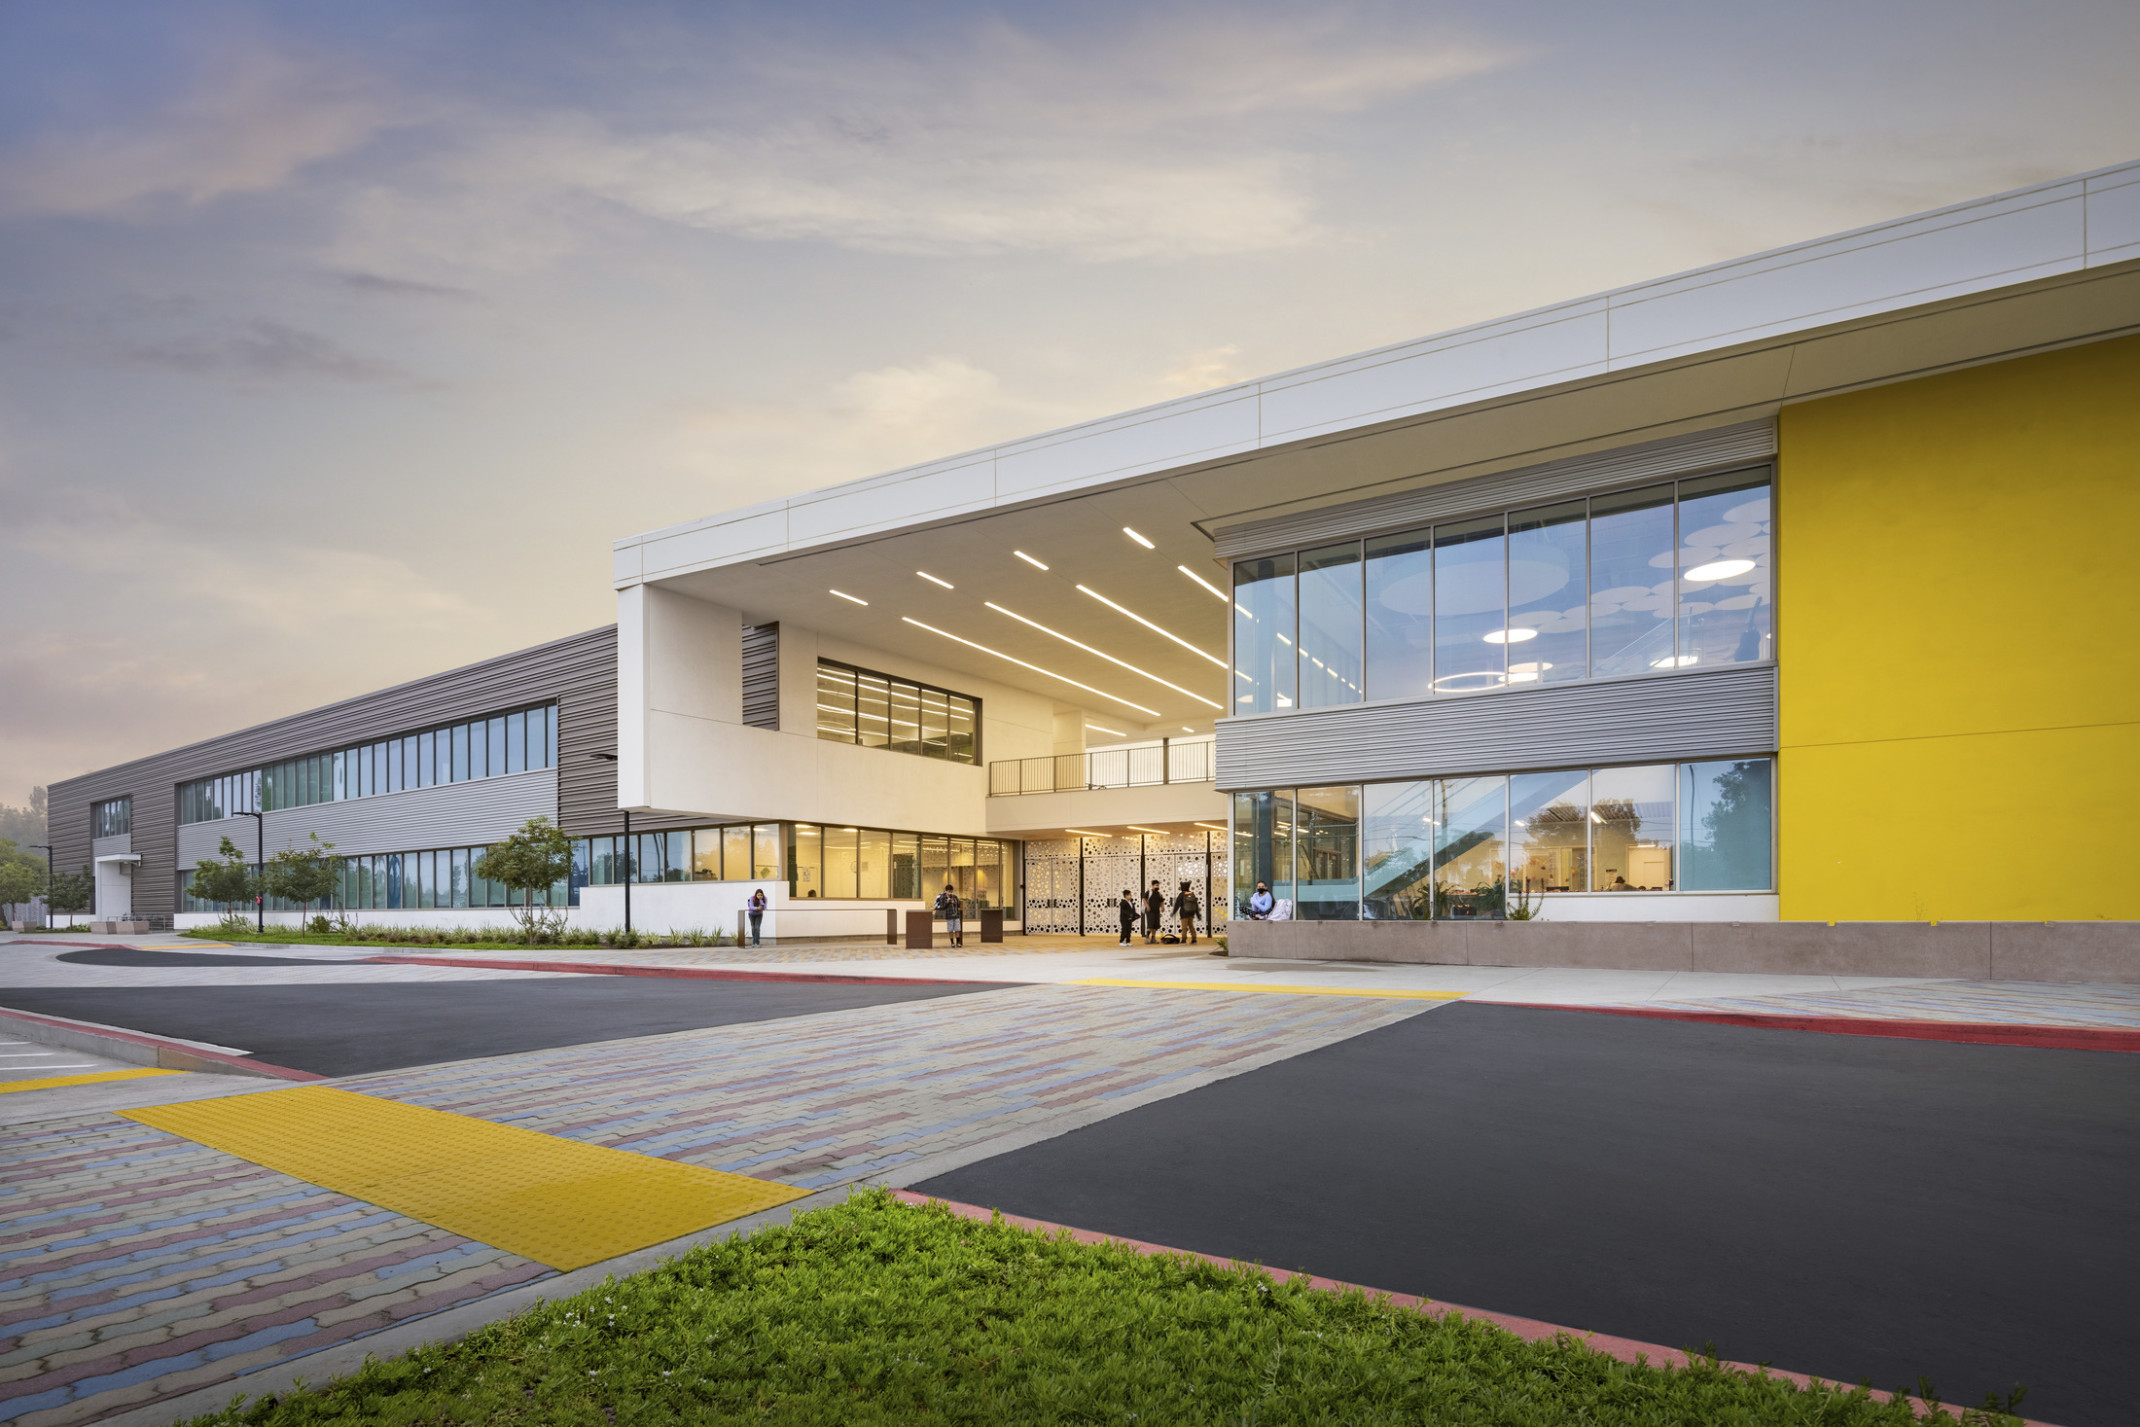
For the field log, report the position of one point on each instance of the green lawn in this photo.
(877, 1312)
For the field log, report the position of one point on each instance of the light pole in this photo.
(260, 866)
(627, 859)
(46, 848)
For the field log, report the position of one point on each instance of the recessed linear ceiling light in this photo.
(1110, 732)
(1083, 589)
(1719, 570)
(1134, 828)
(1087, 832)
(1029, 559)
(1050, 673)
(1138, 538)
(935, 581)
(1205, 583)
(1510, 636)
(1215, 827)
(1186, 729)
(851, 599)
(999, 609)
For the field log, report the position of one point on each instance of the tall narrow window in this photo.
(1397, 851)
(458, 770)
(835, 703)
(805, 862)
(426, 760)
(706, 855)
(735, 853)
(906, 865)
(962, 744)
(1263, 846)
(1470, 606)
(1631, 834)
(1548, 595)
(935, 722)
(1263, 634)
(1326, 854)
(1726, 822)
(1549, 832)
(516, 742)
(1330, 633)
(478, 750)
(765, 851)
(494, 742)
(1471, 848)
(873, 710)
(1400, 616)
(840, 859)
(1724, 594)
(935, 866)
(1631, 582)
(873, 863)
(906, 717)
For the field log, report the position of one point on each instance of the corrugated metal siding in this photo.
(1717, 449)
(1711, 713)
(112, 846)
(761, 676)
(579, 672)
(455, 815)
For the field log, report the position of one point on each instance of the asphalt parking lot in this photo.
(344, 1028)
(1851, 1207)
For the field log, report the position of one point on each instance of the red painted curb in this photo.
(1961, 1032)
(686, 973)
(241, 1063)
(1627, 1350)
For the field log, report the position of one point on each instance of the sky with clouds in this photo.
(337, 342)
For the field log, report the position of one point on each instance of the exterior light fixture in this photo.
(1510, 636)
(1204, 582)
(1123, 663)
(1138, 538)
(851, 599)
(1029, 559)
(1013, 659)
(1169, 634)
(1719, 570)
(935, 581)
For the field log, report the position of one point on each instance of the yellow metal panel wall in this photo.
(1959, 641)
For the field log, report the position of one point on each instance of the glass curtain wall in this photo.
(1671, 576)
(1473, 848)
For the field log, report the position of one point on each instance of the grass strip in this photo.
(873, 1311)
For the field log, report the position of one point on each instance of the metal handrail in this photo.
(1129, 765)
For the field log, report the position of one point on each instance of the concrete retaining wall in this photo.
(1976, 951)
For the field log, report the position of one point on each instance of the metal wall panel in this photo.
(761, 676)
(112, 846)
(453, 815)
(1717, 449)
(1710, 713)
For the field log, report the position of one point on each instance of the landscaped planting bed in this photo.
(874, 1311)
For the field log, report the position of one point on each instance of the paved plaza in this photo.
(138, 1266)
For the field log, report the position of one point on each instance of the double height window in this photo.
(880, 711)
(1670, 576)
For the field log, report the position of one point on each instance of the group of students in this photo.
(1184, 906)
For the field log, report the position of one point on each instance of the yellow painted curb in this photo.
(1286, 990)
(95, 1077)
(553, 1200)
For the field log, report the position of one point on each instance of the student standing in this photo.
(1155, 907)
(756, 908)
(1188, 908)
(1127, 911)
(953, 911)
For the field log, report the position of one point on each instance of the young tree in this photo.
(72, 891)
(303, 875)
(227, 883)
(532, 860)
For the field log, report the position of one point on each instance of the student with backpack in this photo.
(1155, 907)
(1188, 908)
(953, 911)
(1127, 911)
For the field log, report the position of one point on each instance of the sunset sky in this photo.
(338, 342)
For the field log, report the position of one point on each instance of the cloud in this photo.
(379, 284)
(247, 125)
(1202, 371)
(270, 349)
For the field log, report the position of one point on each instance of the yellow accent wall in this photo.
(1959, 645)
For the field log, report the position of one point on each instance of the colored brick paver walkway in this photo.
(135, 1265)
(1991, 1003)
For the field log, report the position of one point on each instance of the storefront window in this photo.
(1549, 832)
(1397, 851)
(1724, 570)
(1631, 829)
(1727, 823)
(1263, 846)
(805, 862)
(1470, 848)
(1326, 854)
(1330, 632)
(840, 861)
(766, 861)
(1263, 635)
(906, 865)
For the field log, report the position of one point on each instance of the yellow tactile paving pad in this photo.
(1366, 991)
(556, 1201)
(95, 1077)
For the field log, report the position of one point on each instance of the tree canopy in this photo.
(303, 875)
(228, 882)
(532, 860)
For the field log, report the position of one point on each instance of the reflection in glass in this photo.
(1724, 594)
(1549, 832)
(1726, 816)
(1470, 606)
(1400, 616)
(804, 862)
(906, 717)
(1262, 846)
(765, 852)
(987, 874)
(835, 703)
(935, 722)
(1548, 583)
(961, 853)
(873, 710)
(735, 853)
(1397, 851)
(1631, 582)
(840, 861)
(516, 744)
(906, 865)
(706, 855)
(1470, 847)
(961, 744)
(1329, 670)
(1326, 854)
(1263, 634)
(1631, 829)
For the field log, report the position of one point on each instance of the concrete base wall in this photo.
(1975, 951)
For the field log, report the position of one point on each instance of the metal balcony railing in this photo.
(1132, 765)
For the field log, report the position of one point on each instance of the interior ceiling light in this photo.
(853, 599)
(1087, 832)
(1159, 830)
(1050, 673)
(1029, 559)
(1510, 636)
(1111, 732)
(1595, 818)
(1215, 827)
(1138, 538)
(1186, 729)
(1087, 590)
(1123, 663)
(1205, 583)
(1719, 569)
(935, 581)
(1669, 662)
